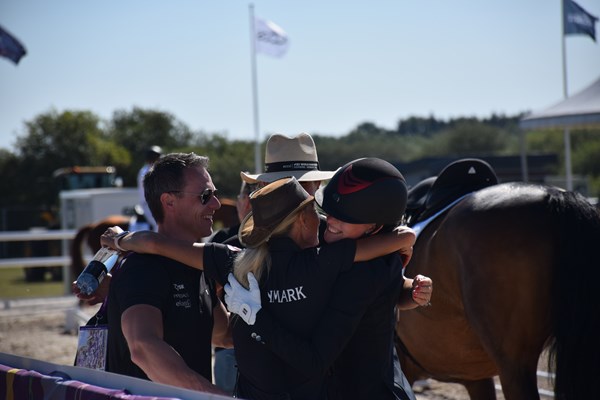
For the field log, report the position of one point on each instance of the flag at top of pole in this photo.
(578, 21)
(269, 38)
(10, 47)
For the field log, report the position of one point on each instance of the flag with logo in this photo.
(269, 38)
(577, 21)
(10, 47)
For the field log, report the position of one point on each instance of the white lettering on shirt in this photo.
(181, 299)
(286, 295)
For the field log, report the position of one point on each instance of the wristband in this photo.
(116, 240)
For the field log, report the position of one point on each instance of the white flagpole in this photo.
(566, 132)
(257, 158)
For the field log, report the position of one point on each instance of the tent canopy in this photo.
(580, 110)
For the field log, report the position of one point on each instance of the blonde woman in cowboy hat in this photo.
(280, 234)
(356, 330)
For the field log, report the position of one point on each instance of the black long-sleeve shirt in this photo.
(354, 335)
(295, 291)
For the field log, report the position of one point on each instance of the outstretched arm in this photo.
(401, 239)
(154, 243)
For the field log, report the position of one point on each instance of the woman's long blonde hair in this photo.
(258, 259)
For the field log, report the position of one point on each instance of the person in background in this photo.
(164, 317)
(225, 369)
(153, 153)
(354, 336)
(242, 205)
(291, 156)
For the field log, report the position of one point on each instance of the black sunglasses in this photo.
(204, 197)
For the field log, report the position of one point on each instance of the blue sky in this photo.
(349, 61)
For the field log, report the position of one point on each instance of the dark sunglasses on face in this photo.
(204, 197)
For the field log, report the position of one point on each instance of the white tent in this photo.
(578, 111)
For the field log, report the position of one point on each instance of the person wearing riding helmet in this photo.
(280, 235)
(353, 341)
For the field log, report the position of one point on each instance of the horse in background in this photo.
(515, 269)
(90, 234)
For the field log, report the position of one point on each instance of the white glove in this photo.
(241, 301)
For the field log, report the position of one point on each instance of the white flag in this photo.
(269, 38)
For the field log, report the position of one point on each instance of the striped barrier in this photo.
(23, 378)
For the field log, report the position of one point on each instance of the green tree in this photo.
(366, 140)
(585, 148)
(469, 138)
(138, 129)
(420, 126)
(10, 167)
(227, 159)
(55, 140)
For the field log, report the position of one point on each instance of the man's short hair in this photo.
(166, 175)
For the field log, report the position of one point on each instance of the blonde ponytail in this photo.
(253, 260)
(258, 259)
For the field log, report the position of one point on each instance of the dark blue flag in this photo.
(10, 47)
(578, 21)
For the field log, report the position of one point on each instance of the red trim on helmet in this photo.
(348, 183)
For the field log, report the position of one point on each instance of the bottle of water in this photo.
(91, 277)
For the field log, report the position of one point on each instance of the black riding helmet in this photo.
(365, 191)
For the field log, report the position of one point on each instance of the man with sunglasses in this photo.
(163, 316)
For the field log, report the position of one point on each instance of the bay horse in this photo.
(515, 270)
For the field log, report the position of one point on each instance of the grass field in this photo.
(13, 285)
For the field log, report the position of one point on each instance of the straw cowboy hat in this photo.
(290, 156)
(272, 206)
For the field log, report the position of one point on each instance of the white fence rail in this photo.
(33, 235)
(41, 234)
(36, 234)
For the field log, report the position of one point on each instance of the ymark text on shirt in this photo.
(286, 295)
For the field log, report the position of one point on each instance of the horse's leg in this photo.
(481, 390)
(519, 384)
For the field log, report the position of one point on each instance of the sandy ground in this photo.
(41, 335)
